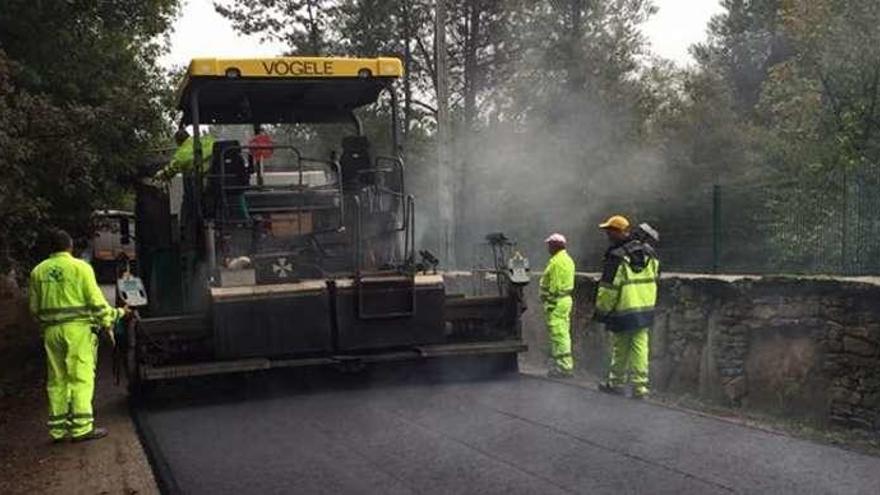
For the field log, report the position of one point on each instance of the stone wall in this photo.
(804, 348)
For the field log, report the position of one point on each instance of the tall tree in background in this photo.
(558, 107)
(784, 107)
(803, 77)
(708, 128)
(824, 100)
(744, 43)
(80, 105)
(567, 68)
(304, 26)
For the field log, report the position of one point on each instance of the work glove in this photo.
(111, 335)
(110, 331)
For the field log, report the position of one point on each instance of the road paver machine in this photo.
(258, 256)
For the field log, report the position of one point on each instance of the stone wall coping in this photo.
(871, 280)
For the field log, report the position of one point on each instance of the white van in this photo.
(112, 242)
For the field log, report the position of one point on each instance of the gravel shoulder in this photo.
(30, 462)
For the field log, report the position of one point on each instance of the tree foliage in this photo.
(80, 104)
(305, 26)
(786, 91)
(557, 80)
(560, 113)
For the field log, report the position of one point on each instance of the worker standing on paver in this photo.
(557, 286)
(65, 299)
(625, 302)
(184, 155)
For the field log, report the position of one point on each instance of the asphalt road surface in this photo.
(509, 436)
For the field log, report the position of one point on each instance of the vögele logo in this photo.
(298, 68)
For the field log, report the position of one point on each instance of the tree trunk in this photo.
(471, 78)
(576, 69)
(407, 58)
(314, 33)
(473, 10)
(445, 177)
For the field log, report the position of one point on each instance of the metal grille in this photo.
(814, 225)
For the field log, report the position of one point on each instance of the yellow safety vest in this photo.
(627, 293)
(184, 155)
(558, 278)
(63, 289)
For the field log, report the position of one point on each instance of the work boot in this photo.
(610, 389)
(559, 373)
(95, 434)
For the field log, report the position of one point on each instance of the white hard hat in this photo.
(556, 238)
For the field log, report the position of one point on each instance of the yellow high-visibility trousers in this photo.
(557, 313)
(629, 355)
(71, 356)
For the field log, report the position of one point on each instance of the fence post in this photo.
(716, 228)
(844, 226)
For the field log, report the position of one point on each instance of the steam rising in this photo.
(566, 176)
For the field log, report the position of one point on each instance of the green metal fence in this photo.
(822, 225)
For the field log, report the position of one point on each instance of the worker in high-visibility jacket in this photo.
(625, 303)
(184, 155)
(65, 299)
(557, 286)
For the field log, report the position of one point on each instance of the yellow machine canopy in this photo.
(282, 90)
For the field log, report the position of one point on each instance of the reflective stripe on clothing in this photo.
(627, 282)
(558, 318)
(627, 301)
(55, 316)
(557, 286)
(629, 359)
(58, 422)
(65, 297)
(71, 356)
(557, 281)
(63, 289)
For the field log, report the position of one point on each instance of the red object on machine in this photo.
(261, 147)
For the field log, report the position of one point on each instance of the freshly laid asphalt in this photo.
(520, 434)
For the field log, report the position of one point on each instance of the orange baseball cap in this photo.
(617, 222)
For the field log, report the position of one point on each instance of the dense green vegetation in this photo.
(81, 101)
(560, 114)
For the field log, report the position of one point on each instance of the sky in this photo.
(201, 32)
(678, 25)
